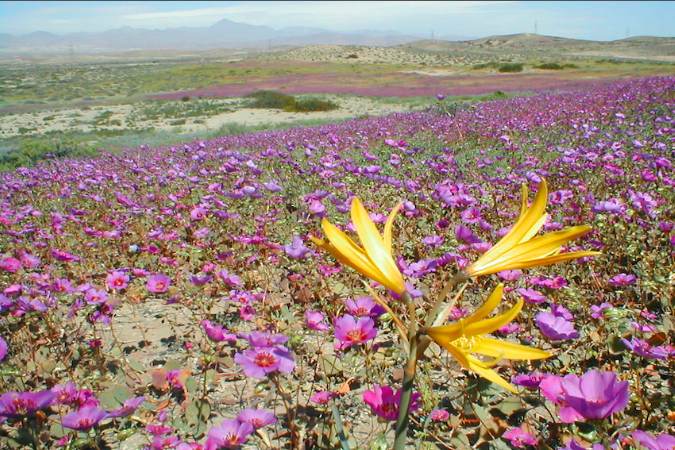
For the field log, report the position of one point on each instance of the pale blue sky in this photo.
(588, 20)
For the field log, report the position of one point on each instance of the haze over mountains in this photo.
(223, 34)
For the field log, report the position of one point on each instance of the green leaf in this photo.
(114, 396)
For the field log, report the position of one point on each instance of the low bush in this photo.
(555, 66)
(278, 100)
(511, 67)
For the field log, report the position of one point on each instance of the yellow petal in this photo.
(547, 261)
(476, 366)
(506, 350)
(489, 325)
(350, 253)
(447, 333)
(524, 224)
(539, 246)
(389, 225)
(524, 194)
(374, 246)
(459, 355)
(534, 230)
(490, 304)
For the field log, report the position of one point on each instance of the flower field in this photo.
(490, 276)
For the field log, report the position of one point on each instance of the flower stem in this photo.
(401, 430)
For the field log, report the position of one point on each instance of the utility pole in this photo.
(432, 35)
(535, 27)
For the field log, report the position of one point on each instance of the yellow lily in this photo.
(467, 337)
(374, 259)
(518, 249)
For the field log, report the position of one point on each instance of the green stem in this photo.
(401, 430)
(339, 427)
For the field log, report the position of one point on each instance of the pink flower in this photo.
(117, 280)
(349, 331)
(217, 333)
(384, 402)
(229, 434)
(520, 438)
(622, 279)
(321, 397)
(258, 362)
(439, 415)
(9, 264)
(315, 320)
(158, 283)
(258, 418)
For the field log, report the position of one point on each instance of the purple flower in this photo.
(622, 279)
(117, 280)
(662, 442)
(384, 402)
(432, 241)
(645, 349)
(531, 295)
(597, 310)
(217, 333)
(3, 349)
(555, 327)
(84, 418)
(439, 415)
(520, 438)
(530, 381)
(364, 307)
(296, 249)
(9, 264)
(19, 404)
(595, 395)
(258, 362)
(229, 434)
(315, 320)
(257, 418)
(350, 331)
(129, 406)
(321, 397)
(158, 283)
(464, 234)
(229, 279)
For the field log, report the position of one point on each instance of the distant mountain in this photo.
(222, 34)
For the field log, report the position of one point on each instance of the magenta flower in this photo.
(296, 249)
(531, 295)
(95, 297)
(433, 241)
(528, 380)
(64, 256)
(257, 418)
(229, 279)
(263, 339)
(349, 331)
(158, 283)
(217, 333)
(520, 438)
(117, 280)
(662, 442)
(555, 327)
(321, 397)
(128, 407)
(20, 404)
(439, 415)
(364, 307)
(3, 349)
(622, 279)
(9, 264)
(645, 349)
(315, 320)
(84, 418)
(258, 362)
(594, 395)
(384, 402)
(229, 434)
(597, 311)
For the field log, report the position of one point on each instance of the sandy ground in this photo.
(126, 117)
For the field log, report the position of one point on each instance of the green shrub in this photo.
(555, 66)
(311, 105)
(270, 100)
(511, 67)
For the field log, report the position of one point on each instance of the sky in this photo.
(584, 20)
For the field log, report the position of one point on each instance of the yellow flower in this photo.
(519, 250)
(467, 337)
(374, 259)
